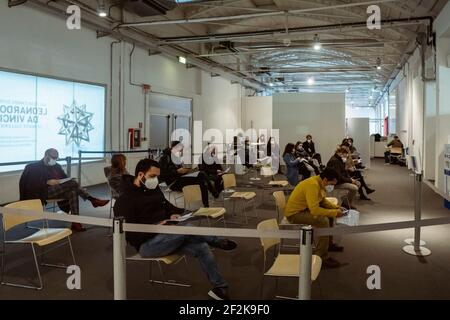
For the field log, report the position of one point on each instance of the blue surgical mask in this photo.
(329, 188)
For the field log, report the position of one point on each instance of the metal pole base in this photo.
(422, 252)
(255, 179)
(411, 242)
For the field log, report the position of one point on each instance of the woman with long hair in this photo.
(291, 164)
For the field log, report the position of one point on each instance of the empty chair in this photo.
(229, 182)
(41, 238)
(193, 201)
(284, 265)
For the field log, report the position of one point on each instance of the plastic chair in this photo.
(229, 181)
(41, 238)
(172, 259)
(284, 265)
(193, 201)
(166, 189)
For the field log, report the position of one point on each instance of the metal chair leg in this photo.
(37, 267)
(18, 285)
(71, 251)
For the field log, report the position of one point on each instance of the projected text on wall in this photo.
(38, 113)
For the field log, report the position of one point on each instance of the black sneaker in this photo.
(224, 244)
(219, 294)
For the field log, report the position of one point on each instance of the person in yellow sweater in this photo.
(308, 205)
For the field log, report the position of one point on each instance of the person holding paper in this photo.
(144, 202)
(46, 179)
(174, 175)
(308, 205)
(395, 147)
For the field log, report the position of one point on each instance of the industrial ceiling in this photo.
(275, 45)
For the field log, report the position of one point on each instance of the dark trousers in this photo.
(318, 157)
(358, 176)
(387, 157)
(202, 180)
(70, 191)
(303, 170)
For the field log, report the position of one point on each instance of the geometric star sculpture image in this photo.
(76, 123)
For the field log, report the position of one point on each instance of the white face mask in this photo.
(151, 183)
(329, 188)
(309, 140)
(344, 159)
(51, 162)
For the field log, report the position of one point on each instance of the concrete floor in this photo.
(402, 276)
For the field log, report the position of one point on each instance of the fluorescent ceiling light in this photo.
(311, 81)
(317, 45)
(182, 60)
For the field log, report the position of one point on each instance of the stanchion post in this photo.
(417, 209)
(304, 284)
(415, 246)
(119, 260)
(69, 166)
(79, 168)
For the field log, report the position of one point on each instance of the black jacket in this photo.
(210, 169)
(309, 147)
(168, 169)
(33, 182)
(338, 165)
(141, 205)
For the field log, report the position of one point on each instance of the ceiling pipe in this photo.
(251, 15)
(341, 27)
(147, 42)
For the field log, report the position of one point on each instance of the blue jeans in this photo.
(196, 246)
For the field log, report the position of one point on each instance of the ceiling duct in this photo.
(146, 8)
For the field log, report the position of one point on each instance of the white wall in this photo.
(38, 42)
(257, 113)
(320, 114)
(358, 129)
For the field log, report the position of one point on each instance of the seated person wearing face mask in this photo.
(143, 202)
(354, 154)
(308, 205)
(42, 180)
(307, 166)
(310, 148)
(357, 175)
(337, 163)
(209, 163)
(172, 173)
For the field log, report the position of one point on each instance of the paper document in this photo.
(351, 218)
(192, 174)
(61, 181)
(185, 217)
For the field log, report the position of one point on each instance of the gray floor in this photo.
(402, 276)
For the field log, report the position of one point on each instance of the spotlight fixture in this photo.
(317, 44)
(101, 8)
(347, 90)
(378, 63)
(311, 81)
(182, 60)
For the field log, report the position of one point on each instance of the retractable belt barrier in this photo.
(305, 232)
